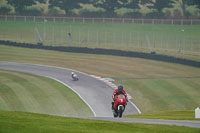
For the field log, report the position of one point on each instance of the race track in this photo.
(95, 93)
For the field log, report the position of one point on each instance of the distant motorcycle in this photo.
(74, 77)
(119, 105)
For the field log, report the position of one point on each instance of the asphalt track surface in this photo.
(95, 93)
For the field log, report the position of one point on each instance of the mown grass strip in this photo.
(153, 85)
(30, 93)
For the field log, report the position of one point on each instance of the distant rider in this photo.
(118, 91)
(74, 76)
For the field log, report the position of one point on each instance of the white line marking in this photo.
(94, 76)
(76, 93)
(60, 81)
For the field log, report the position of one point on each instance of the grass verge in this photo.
(170, 115)
(154, 85)
(31, 93)
(19, 122)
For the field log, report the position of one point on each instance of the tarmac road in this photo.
(95, 93)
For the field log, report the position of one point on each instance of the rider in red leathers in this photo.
(118, 91)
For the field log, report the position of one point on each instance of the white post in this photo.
(25, 18)
(197, 113)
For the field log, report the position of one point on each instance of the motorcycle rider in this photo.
(74, 76)
(118, 91)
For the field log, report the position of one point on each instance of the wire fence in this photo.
(100, 20)
(133, 41)
(61, 34)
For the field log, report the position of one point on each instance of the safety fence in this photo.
(100, 20)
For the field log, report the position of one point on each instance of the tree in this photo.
(185, 3)
(20, 5)
(5, 9)
(135, 3)
(67, 5)
(110, 5)
(159, 5)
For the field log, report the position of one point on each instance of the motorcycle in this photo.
(75, 77)
(119, 105)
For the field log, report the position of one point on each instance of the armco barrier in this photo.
(152, 56)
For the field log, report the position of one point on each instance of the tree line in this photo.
(104, 8)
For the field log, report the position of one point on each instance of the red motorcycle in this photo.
(119, 105)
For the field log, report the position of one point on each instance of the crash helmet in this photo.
(120, 88)
(72, 73)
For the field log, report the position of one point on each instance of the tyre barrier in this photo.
(151, 56)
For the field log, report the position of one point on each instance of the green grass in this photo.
(154, 85)
(165, 39)
(164, 94)
(30, 93)
(18, 122)
(171, 115)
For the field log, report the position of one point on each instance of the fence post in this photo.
(181, 21)
(172, 22)
(191, 22)
(123, 20)
(25, 18)
(103, 20)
